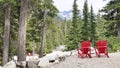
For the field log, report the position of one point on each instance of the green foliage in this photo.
(13, 48)
(113, 43)
(70, 47)
(52, 37)
(54, 33)
(93, 27)
(1, 0)
(61, 32)
(112, 14)
(15, 7)
(86, 26)
(34, 29)
(74, 33)
(101, 27)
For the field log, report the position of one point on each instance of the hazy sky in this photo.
(64, 5)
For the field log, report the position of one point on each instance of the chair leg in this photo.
(107, 55)
(80, 54)
(89, 55)
(97, 53)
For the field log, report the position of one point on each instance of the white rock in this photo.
(43, 62)
(50, 56)
(15, 58)
(1, 67)
(56, 62)
(35, 57)
(10, 64)
(54, 55)
(74, 52)
(66, 53)
(58, 53)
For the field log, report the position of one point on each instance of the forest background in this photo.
(35, 26)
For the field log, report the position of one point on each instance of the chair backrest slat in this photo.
(85, 45)
(101, 45)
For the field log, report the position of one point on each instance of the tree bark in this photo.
(43, 35)
(118, 27)
(6, 34)
(22, 31)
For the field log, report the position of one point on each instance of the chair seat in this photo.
(102, 48)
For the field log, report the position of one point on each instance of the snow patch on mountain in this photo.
(66, 14)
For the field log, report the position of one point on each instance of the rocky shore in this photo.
(95, 62)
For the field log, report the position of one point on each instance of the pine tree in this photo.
(85, 28)
(49, 10)
(101, 25)
(112, 14)
(22, 31)
(7, 28)
(73, 37)
(93, 25)
(6, 33)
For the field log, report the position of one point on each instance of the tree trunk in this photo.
(6, 34)
(22, 31)
(118, 27)
(43, 34)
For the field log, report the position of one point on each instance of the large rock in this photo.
(21, 64)
(15, 58)
(10, 64)
(1, 67)
(34, 57)
(74, 52)
(66, 54)
(32, 64)
(54, 55)
(43, 62)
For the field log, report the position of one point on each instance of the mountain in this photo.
(66, 14)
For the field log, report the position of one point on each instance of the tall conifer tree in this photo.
(22, 31)
(93, 30)
(74, 32)
(6, 33)
(85, 28)
(112, 14)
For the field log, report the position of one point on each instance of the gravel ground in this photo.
(95, 62)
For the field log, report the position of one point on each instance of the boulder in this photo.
(1, 67)
(21, 64)
(15, 58)
(32, 64)
(66, 54)
(35, 57)
(43, 62)
(51, 56)
(54, 55)
(74, 52)
(10, 64)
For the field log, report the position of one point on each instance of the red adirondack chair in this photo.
(85, 49)
(102, 48)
